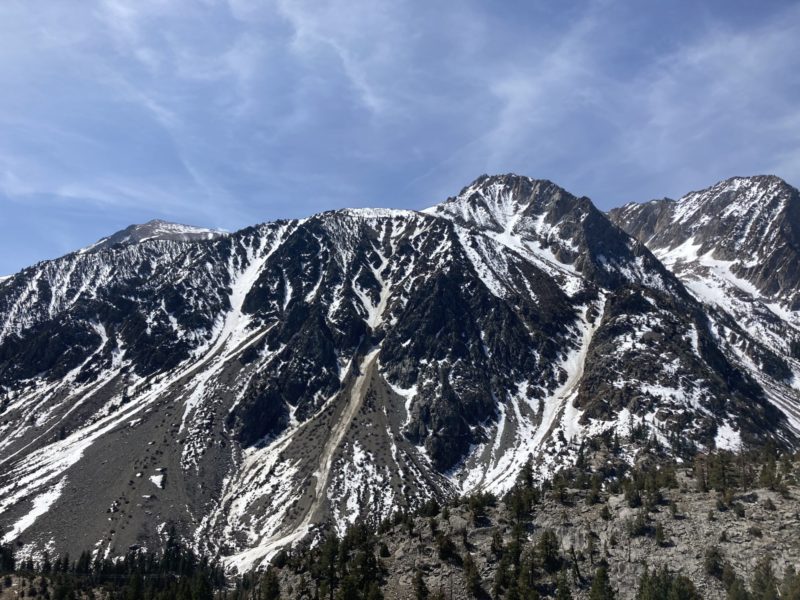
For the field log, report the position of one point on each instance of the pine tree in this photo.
(374, 592)
(661, 538)
(348, 590)
(764, 585)
(547, 549)
(7, 559)
(663, 585)
(737, 591)
(605, 513)
(46, 565)
(593, 497)
(790, 588)
(327, 563)
(270, 586)
(497, 543)
(712, 562)
(563, 591)
(472, 577)
(501, 576)
(526, 577)
(700, 474)
(420, 589)
(601, 586)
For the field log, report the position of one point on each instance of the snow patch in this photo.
(41, 504)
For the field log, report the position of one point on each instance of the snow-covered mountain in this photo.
(736, 247)
(251, 387)
(153, 230)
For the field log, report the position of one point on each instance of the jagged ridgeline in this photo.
(249, 388)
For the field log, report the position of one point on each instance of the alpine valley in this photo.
(252, 388)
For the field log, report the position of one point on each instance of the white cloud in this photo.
(237, 111)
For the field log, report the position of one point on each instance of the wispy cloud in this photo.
(228, 112)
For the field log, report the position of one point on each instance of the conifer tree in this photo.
(764, 584)
(420, 589)
(472, 577)
(547, 549)
(563, 591)
(601, 586)
(270, 586)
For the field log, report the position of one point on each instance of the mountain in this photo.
(736, 247)
(250, 388)
(155, 229)
(749, 225)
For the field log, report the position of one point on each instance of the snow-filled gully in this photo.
(529, 437)
(41, 467)
(267, 548)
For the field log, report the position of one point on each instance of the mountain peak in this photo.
(751, 224)
(154, 229)
(507, 179)
(500, 202)
(740, 193)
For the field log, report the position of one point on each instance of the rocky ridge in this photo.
(251, 387)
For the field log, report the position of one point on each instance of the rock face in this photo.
(250, 386)
(764, 526)
(750, 224)
(735, 247)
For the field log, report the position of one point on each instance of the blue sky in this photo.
(226, 113)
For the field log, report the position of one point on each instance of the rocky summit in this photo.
(252, 389)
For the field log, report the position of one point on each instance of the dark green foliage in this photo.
(526, 578)
(446, 548)
(7, 559)
(737, 591)
(547, 550)
(601, 586)
(472, 577)
(633, 496)
(728, 576)
(527, 561)
(754, 531)
(502, 577)
(384, 550)
(497, 546)
(478, 503)
(438, 595)
(661, 538)
(769, 476)
(639, 525)
(344, 568)
(563, 591)
(560, 489)
(712, 562)
(764, 584)
(720, 469)
(177, 572)
(593, 497)
(270, 586)
(521, 499)
(430, 508)
(663, 585)
(420, 589)
(790, 588)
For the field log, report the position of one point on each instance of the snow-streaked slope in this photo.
(734, 246)
(255, 387)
